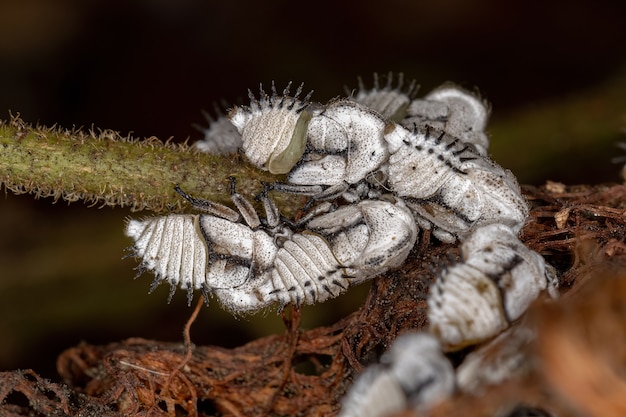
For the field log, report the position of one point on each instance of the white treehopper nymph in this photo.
(413, 374)
(493, 286)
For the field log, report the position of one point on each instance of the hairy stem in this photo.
(104, 168)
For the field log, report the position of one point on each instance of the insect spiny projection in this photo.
(379, 166)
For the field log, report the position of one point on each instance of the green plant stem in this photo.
(104, 168)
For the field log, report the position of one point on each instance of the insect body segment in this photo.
(369, 237)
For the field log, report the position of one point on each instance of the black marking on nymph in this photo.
(132, 252)
(414, 391)
(155, 283)
(426, 131)
(277, 290)
(376, 260)
(346, 276)
(454, 168)
(400, 244)
(141, 268)
(449, 162)
(452, 144)
(189, 294)
(337, 283)
(307, 283)
(509, 266)
(205, 291)
(230, 259)
(170, 296)
(496, 277)
(460, 151)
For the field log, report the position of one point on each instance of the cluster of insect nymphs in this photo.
(379, 166)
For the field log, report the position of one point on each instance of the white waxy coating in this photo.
(375, 393)
(273, 130)
(467, 117)
(413, 374)
(328, 169)
(492, 246)
(227, 237)
(495, 284)
(171, 247)
(464, 307)
(455, 111)
(356, 131)
(425, 374)
(371, 236)
(446, 182)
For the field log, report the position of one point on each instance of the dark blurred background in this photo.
(550, 70)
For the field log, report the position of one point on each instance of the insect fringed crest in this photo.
(391, 102)
(273, 128)
(221, 137)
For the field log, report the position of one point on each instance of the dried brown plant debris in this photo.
(580, 230)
